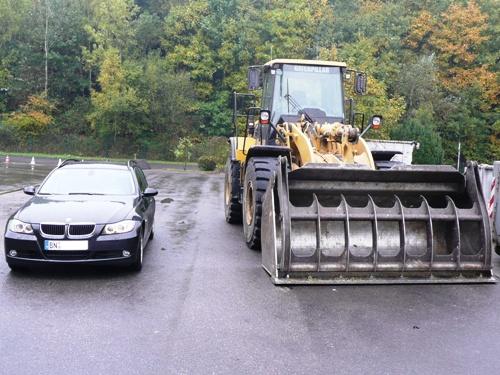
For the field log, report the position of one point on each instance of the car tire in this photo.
(16, 268)
(152, 233)
(139, 254)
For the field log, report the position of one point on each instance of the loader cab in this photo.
(293, 87)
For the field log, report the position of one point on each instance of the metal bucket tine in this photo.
(402, 232)
(318, 229)
(374, 233)
(457, 223)
(347, 233)
(430, 231)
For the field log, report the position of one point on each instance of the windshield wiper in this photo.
(85, 194)
(296, 106)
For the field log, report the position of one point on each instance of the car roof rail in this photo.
(68, 161)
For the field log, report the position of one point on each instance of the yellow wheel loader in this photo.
(324, 209)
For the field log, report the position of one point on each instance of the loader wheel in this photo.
(232, 205)
(258, 173)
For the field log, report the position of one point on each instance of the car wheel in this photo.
(137, 265)
(16, 268)
(152, 234)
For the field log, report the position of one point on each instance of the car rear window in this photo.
(89, 181)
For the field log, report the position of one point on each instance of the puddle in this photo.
(13, 176)
(167, 200)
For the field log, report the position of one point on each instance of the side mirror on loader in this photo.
(254, 77)
(360, 81)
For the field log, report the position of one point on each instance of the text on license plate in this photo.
(66, 245)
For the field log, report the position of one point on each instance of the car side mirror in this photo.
(150, 192)
(30, 190)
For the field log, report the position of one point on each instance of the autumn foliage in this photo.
(32, 118)
(138, 76)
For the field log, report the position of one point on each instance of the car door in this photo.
(147, 204)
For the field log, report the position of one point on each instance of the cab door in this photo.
(265, 134)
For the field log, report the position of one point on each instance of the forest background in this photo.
(121, 77)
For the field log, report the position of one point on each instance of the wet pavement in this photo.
(15, 176)
(202, 304)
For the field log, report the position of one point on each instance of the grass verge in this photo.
(70, 156)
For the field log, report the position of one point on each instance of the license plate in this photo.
(66, 245)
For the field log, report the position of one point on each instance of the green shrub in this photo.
(215, 147)
(207, 163)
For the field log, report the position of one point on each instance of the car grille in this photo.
(53, 229)
(81, 229)
(67, 255)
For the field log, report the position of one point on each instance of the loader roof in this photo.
(306, 62)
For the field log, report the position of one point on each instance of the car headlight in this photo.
(120, 227)
(18, 226)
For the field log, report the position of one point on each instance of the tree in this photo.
(32, 118)
(117, 109)
(110, 27)
(457, 37)
(183, 150)
(361, 55)
(169, 98)
(418, 84)
(422, 130)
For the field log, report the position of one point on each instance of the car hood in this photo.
(74, 209)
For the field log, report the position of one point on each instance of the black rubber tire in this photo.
(258, 172)
(151, 234)
(232, 205)
(16, 268)
(139, 255)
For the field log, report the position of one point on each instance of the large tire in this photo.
(232, 205)
(258, 173)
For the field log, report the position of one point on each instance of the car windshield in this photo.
(313, 87)
(88, 181)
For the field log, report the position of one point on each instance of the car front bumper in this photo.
(101, 249)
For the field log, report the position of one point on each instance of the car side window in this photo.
(141, 179)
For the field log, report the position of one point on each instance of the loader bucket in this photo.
(329, 224)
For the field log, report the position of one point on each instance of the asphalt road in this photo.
(202, 304)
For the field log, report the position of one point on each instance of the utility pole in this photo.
(46, 48)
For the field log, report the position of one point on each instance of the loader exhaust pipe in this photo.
(328, 224)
